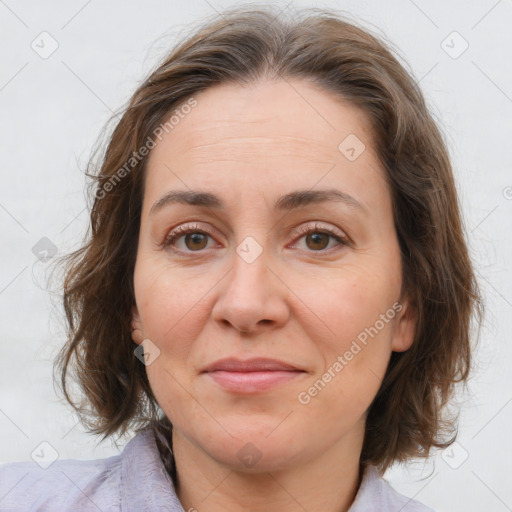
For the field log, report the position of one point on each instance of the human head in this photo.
(437, 281)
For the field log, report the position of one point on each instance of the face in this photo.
(309, 280)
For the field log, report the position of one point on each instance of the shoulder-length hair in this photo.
(242, 46)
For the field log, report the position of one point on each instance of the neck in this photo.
(328, 482)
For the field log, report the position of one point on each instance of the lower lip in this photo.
(252, 382)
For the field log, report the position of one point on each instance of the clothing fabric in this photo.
(136, 481)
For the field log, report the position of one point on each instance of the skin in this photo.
(302, 301)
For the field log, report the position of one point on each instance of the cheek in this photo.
(173, 311)
(354, 358)
(347, 302)
(172, 307)
(353, 335)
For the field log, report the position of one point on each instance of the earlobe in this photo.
(405, 329)
(136, 326)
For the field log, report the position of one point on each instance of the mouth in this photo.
(251, 376)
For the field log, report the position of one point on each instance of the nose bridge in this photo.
(248, 277)
(252, 252)
(252, 296)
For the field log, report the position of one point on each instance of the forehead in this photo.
(272, 134)
(270, 110)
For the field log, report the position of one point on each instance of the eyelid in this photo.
(322, 227)
(183, 229)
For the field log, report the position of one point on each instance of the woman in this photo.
(314, 335)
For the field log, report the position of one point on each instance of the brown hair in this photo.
(241, 46)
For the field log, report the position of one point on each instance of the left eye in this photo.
(319, 240)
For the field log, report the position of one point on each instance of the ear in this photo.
(405, 327)
(136, 326)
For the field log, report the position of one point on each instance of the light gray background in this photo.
(53, 109)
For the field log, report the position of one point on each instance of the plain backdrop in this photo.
(66, 66)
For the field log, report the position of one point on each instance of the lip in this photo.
(251, 376)
(257, 364)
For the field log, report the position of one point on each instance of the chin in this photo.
(252, 449)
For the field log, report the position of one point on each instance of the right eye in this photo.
(194, 239)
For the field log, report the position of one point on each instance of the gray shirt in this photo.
(136, 480)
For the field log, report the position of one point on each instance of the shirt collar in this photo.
(146, 485)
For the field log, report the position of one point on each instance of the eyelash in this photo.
(180, 231)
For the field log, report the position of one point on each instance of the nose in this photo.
(253, 297)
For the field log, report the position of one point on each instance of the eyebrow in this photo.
(290, 201)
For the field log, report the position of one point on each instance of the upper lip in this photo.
(260, 364)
